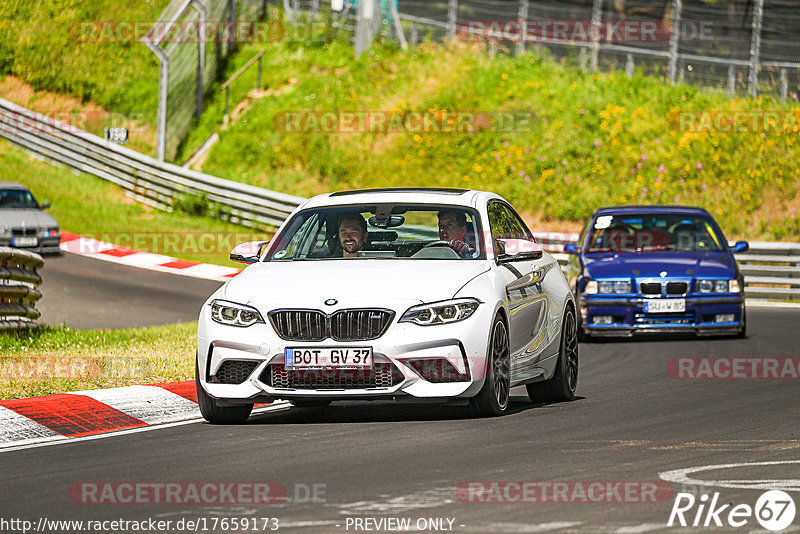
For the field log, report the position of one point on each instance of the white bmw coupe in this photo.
(438, 295)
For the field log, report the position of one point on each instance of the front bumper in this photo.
(45, 245)
(628, 315)
(263, 376)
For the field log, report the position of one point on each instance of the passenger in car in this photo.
(453, 229)
(352, 234)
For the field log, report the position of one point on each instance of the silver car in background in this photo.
(24, 223)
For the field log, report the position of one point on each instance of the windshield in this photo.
(649, 232)
(385, 231)
(17, 198)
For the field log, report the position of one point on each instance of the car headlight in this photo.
(48, 232)
(717, 286)
(607, 286)
(449, 311)
(232, 314)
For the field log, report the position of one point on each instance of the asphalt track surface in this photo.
(630, 422)
(86, 293)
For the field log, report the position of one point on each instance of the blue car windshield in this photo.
(654, 232)
(384, 231)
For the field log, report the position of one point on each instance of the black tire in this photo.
(213, 412)
(493, 397)
(310, 403)
(565, 380)
(743, 332)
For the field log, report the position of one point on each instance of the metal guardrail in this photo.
(19, 279)
(771, 270)
(147, 179)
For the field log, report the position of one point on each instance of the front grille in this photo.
(359, 325)
(650, 288)
(235, 371)
(300, 325)
(382, 375)
(345, 325)
(677, 288)
(23, 232)
(663, 318)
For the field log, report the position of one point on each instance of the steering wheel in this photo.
(438, 243)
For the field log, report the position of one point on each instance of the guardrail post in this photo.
(522, 16)
(674, 40)
(755, 47)
(412, 36)
(365, 26)
(314, 9)
(258, 73)
(629, 65)
(597, 13)
(452, 17)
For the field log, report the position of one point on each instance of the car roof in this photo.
(12, 185)
(406, 195)
(649, 209)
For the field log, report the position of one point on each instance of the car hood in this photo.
(353, 283)
(652, 264)
(32, 218)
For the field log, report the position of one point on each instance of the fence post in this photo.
(755, 47)
(314, 9)
(258, 74)
(731, 80)
(398, 26)
(674, 40)
(522, 15)
(163, 92)
(201, 57)
(364, 26)
(597, 12)
(629, 65)
(784, 85)
(413, 34)
(452, 16)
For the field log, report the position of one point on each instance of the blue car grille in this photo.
(661, 288)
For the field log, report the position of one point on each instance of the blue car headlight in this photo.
(607, 286)
(448, 311)
(718, 286)
(233, 314)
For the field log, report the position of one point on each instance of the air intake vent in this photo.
(235, 371)
(382, 375)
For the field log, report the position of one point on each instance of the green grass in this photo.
(49, 360)
(40, 43)
(86, 205)
(595, 139)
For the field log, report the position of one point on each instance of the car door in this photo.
(527, 300)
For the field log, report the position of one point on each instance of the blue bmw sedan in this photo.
(656, 269)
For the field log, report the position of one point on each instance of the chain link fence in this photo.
(192, 39)
(750, 46)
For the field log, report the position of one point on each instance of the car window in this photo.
(383, 231)
(654, 232)
(17, 198)
(506, 224)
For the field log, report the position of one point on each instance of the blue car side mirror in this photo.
(572, 248)
(740, 246)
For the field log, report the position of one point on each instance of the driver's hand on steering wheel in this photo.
(460, 247)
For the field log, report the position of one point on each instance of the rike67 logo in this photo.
(774, 510)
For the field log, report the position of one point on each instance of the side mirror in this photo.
(249, 252)
(572, 248)
(741, 246)
(45, 205)
(517, 249)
